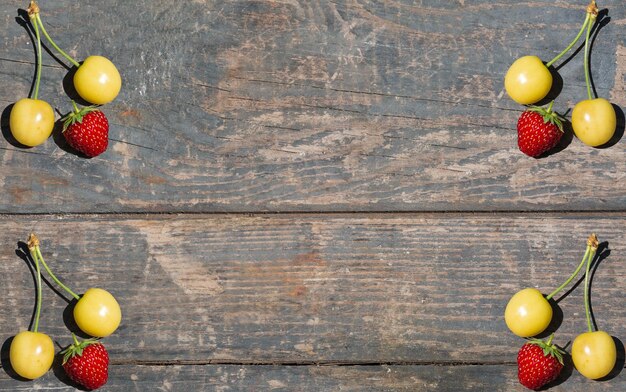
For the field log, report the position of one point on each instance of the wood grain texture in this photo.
(301, 289)
(244, 106)
(381, 128)
(224, 378)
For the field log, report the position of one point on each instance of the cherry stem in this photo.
(554, 60)
(572, 276)
(594, 247)
(38, 255)
(39, 58)
(586, 58)
(32, 242)
(45, 33)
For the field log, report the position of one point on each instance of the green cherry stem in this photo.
(36, 253)
(45, 33)
(33, 241)
(594, 247)
(39, 56)
(573, 275)
(586, 58)
(554, 60)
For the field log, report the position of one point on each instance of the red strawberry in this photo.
(87, 363)
(87, 130)
(538, 130)
(538, 363)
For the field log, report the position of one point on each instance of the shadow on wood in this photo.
(566, 373)
(24, 20)
(70, 322)
(61, 142)
(602, 253)
(601, 20)
(619, 128)
(564, 142)
(6, 128)
(22, 253)
(6, 361)
(619, 363)
(70, 90)
(61, 375)
(555, 323)
(555, 90)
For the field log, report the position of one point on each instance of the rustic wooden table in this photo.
(308, 195)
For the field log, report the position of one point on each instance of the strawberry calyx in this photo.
(549, 349)
(76, 348)
(76, 116)
(548, 115)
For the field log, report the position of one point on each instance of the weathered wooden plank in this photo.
(312, 106)
(348, 289)
(314, 378)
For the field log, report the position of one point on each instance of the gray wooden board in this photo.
(497, 378)
(307, 289)
(312, 106)
(232, 106)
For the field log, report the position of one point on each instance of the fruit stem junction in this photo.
(76, 342)
(35, 252)
(33, 241)
(33, 12)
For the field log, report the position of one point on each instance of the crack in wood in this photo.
(325, 214)
(337, 363)
(32, 63)
(374, 93)
(211, 87)
(23, 150)
(447, 146)
(134, 144)
(278, 127)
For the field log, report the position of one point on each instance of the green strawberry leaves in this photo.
(548, 115)
(549, 349)
(76, 116)
(76, 349)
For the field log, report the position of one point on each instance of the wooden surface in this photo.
(313, 195)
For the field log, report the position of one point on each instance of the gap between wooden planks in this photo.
(314, 288)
